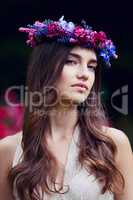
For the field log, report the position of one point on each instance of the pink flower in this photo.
(98, 38)
(78, 31)
(31, 39)
(11, 120)
(3, 113)
(4, 131)
(81, 34)
(27, 30)
(12, 114)
(31, 33)
(102, 36)
(54, 29)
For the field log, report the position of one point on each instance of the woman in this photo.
(67, 149)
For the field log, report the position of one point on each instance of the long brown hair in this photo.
(97, 150)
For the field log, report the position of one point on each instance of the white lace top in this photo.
(82, 186)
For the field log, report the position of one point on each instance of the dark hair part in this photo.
(97, 150)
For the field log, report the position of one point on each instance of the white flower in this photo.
(68, 26)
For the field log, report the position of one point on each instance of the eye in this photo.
(92, 67)
(73, 62)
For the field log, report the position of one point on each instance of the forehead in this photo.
(84, 53)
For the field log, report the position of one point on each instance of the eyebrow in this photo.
(94, 61)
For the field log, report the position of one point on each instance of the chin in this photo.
(75, 98)
(78, 100)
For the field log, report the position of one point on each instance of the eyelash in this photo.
(72, 61)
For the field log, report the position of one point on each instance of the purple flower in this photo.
(68, 32)
(39, 24)
(72, 40)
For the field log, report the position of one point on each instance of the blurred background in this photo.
(115, 18)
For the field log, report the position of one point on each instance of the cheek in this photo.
(64, 81)
(66, 76)
(92, 79)
(91, 82)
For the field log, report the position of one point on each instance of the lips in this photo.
(81, 85)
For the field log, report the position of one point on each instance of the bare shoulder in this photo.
(117, 135)
(122, 142)
(7, 150)
(124, 160)
(11, 140)
(8, 146)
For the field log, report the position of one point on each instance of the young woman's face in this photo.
(78, 69)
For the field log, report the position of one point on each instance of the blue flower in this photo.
(66, 32)
(42, 31)
(112, 50)
(106, 56)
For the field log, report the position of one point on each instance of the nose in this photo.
(83, 73)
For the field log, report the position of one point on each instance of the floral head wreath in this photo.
(70, 33)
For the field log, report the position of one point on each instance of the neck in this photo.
(63, 121)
